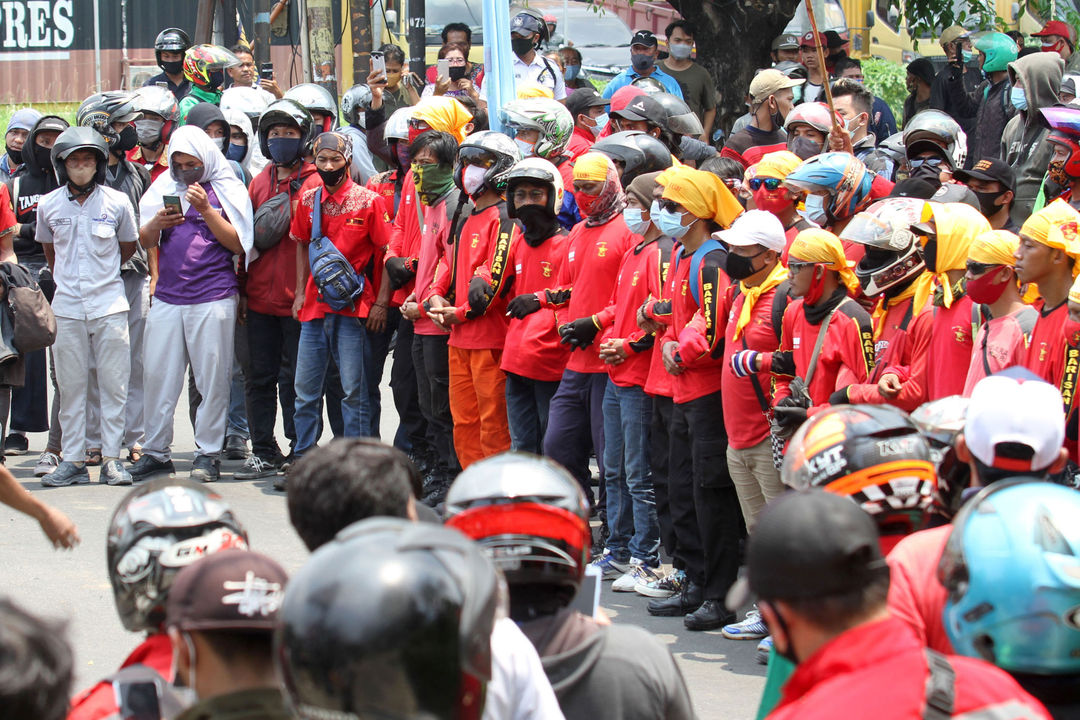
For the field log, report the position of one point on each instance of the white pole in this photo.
(305, 48)
(566, 21)
(97, 46)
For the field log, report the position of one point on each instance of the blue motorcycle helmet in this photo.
(841, 178)
(1012, 571)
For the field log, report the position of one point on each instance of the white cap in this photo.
(755, 227)
(1016, 407)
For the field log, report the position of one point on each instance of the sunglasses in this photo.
(795, 266)
(669, 205)
(932, 162)
(476, 156)
(978, 268)
(769, 183)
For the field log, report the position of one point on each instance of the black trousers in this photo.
(704, 505)
(412, 429)
(431, 362)
(268, 379)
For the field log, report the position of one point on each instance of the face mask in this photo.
(148, 131)
(283, 150)
(804, 147)
(403, 155)
(1054, 47)
(642, 62)
(930, 254)
(601, 123)
(929, 173)
(983, 289)
(670, 223)
(796, 94)
(815, 209)
(15, 155)
(81, 177)
(236, 152)
(632, 218)
(527, 149)
(587, 204)
(967, 56)
(457, 72)
(853, 125)
(172, 67)
(1057, 174)
(1018, 98)
(654, 209)
(521, 46)
(775, 201)
(572, 72)
(680, 51)
(331, 178)
(432, 181)
(128, 139)
(740, 267)
(817, 288)
(190, 176)
(216, 78)
(539, 222)
(472, 179)
(43, 158)
(987, 200)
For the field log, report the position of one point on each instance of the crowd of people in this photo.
(827, 371)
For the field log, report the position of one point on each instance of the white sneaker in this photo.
(639, 572)
(47, 462)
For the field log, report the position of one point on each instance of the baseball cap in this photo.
(1055, 27)
(582, 99)
(989, 170)
(769, 82)
(913, 187)
(525, 23)
(787, 41)
(643, 37)
(51, 122)
(231, 590)
(1015, 421)
(808, 39)
(643, 107)
(807, 544)
(755, 227)
(956, 193)
(952, 34)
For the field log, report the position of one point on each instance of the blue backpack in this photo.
(338, 283)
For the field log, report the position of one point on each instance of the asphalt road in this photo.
(73, 586)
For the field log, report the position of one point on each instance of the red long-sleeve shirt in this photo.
(1046, 353)
(405, 233)
(660, 382)
(951, 342)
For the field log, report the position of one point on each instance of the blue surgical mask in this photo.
(601, 123)
(527, 149)
(670, 223)
(236, 152)
(654, 209)
(632, 217)
(967, 56)
(1018, 98)
(815, 209)
(572, 72)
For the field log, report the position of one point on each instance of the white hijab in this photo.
(217, 171)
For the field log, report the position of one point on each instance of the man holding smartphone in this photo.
(958, 80)
(245, 75)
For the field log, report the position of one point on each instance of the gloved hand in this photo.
(522, 305)
(744, 363)
(789, 416)
(840, 397)
(400, 272)
(480, 294)
(580, 333)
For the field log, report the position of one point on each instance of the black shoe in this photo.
(601, 537)
(712, 615)
(437, 493)
(236, 448)
(205, 469)
(16, 444)
(426, 463)
(148, 466)
(688, 600)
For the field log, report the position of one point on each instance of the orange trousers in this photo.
(478, 404)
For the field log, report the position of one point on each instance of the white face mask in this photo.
(82, 176)
(473, 178)
(527, 149)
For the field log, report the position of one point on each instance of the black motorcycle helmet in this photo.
(35, 163)
(157, 530)
(173, 40)
(101, 110)
(286, 112)
(637, 152)
(391, 619)
(79, 138)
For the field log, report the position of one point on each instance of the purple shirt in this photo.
(193, 266)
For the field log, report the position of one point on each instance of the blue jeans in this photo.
(631, 504)
(527, 403)
(343, 339)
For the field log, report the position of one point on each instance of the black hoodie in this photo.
(206, 114)
(33, 181)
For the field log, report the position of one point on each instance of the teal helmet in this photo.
(999, 49)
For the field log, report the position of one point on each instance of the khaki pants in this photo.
(757, 481)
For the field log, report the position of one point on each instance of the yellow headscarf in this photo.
(995, 247)
(591, 167)
(534, 90)
(821, 246)
(957, 224)
(778, 164)
(702, 193)
(444, 114)
(1056, 226)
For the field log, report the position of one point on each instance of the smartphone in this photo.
(137, 700)
(443, 68)
(266, 71)
(587, 600)
(378, 63)
(172, 202)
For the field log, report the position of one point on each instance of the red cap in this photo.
(622, 97)
(808, 39)
(1056, 27)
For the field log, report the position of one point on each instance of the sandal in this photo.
(93, 457)
(134, 455)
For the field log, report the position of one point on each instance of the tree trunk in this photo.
(733, 40)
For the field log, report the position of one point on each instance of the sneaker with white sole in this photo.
(609, 567)
(752, 628)
(639, 572)
(664, 587)
(113, 473)
(764, 648)
(255, 467)
(46, 463)
(66, 473)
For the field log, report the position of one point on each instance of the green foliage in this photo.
(931, 16)
(64, 110)
(886, 80)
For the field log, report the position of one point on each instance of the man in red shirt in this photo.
(815, 565)
(589, 109)
(354, 220)
(475, 312)
(267, 287)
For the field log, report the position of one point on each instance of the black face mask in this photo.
(929, 173)
(987, 202)
(172, 67)
(331, 178)
(129, 138)
(740, 267)
(15, 155)
(457, 72)
(521, 46)
(930, 254)
(43, 158)
(788, 653)
(217, 77)
(540, 224)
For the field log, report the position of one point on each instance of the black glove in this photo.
(789, 417)
(399, 272)
(522, 306)
(579, 333)
(839, 397)
(480, 294)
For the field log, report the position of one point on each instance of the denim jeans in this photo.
(343, 339)
(527, 403)
(631, 504)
